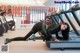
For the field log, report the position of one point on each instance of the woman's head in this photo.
(64, 26)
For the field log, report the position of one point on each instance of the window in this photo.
(23, 12)
(36, 15)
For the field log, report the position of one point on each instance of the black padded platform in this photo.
(71, 43)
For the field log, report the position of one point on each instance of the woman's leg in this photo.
(19, 38)
(48, 35)
(35, 29)
(23, 38)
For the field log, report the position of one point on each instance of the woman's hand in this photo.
(55, 40)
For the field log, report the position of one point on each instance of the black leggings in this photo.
(36, 28)
(46, 37)
(23, 38)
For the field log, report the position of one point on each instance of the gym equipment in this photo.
(73, 42)
(11, 24)
(72, 24)
(57, 16)
(1, 28)
(4, 23)
(55, 19)
(60, 18)
(73, 9)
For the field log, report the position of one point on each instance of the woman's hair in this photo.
(65, 33)
(68, 27)
(65, 24)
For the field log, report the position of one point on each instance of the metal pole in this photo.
(72, 24)
(56, 19)
(52, 18)
(60, 18)
(76, 17)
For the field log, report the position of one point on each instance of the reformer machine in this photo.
(74, 41)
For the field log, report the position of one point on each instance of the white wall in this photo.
(23, 2)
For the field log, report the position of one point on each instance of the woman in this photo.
(46, 30)
(36, 28)
(63, 27)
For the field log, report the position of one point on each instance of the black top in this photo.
(54, 28)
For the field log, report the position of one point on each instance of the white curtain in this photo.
(37, 15)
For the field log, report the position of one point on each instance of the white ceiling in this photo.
(25, 2)
(30, 2)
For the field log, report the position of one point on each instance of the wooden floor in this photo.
(37, 46)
